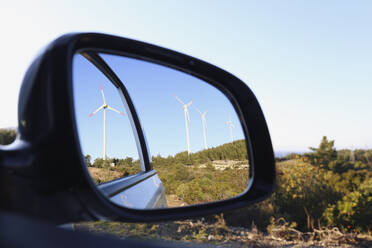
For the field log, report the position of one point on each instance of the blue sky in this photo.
(152, 88)
(308, 62)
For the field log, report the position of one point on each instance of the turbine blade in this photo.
(198, 111)
(95, 111)
(115, 110)
(189, 103)
(103, 95)
(178, 99)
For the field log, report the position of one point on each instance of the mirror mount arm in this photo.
(16, 155)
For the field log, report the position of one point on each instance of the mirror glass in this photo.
(194, 138)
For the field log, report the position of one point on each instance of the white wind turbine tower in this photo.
(104, 106)
(204, 124)
(231, 126)
(187, 121)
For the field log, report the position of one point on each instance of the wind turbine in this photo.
(187, 121)
(204, 124)
(231, 126)
(104, 106)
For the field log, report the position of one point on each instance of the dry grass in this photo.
(225, 164)
(281, 234)
(174, 201)
(285, 234)
(103, 174)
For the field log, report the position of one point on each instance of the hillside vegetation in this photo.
(214, 174)
(322, 198)
(7, 135)
(323, 188)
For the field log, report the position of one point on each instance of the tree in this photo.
(88, 159)
(7, 136)
(322, 155)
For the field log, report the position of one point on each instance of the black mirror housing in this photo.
(45, 167)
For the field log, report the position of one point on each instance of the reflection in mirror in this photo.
(194, 135)
(106, 135)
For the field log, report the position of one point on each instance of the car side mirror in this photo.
(85, 105)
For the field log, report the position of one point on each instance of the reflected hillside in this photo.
(213, 174)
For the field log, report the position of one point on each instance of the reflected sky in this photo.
(152, 88)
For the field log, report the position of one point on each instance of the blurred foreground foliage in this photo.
(323, 188)
(7, 135)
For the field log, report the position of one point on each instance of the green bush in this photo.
(7, 136)
(323, 188)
